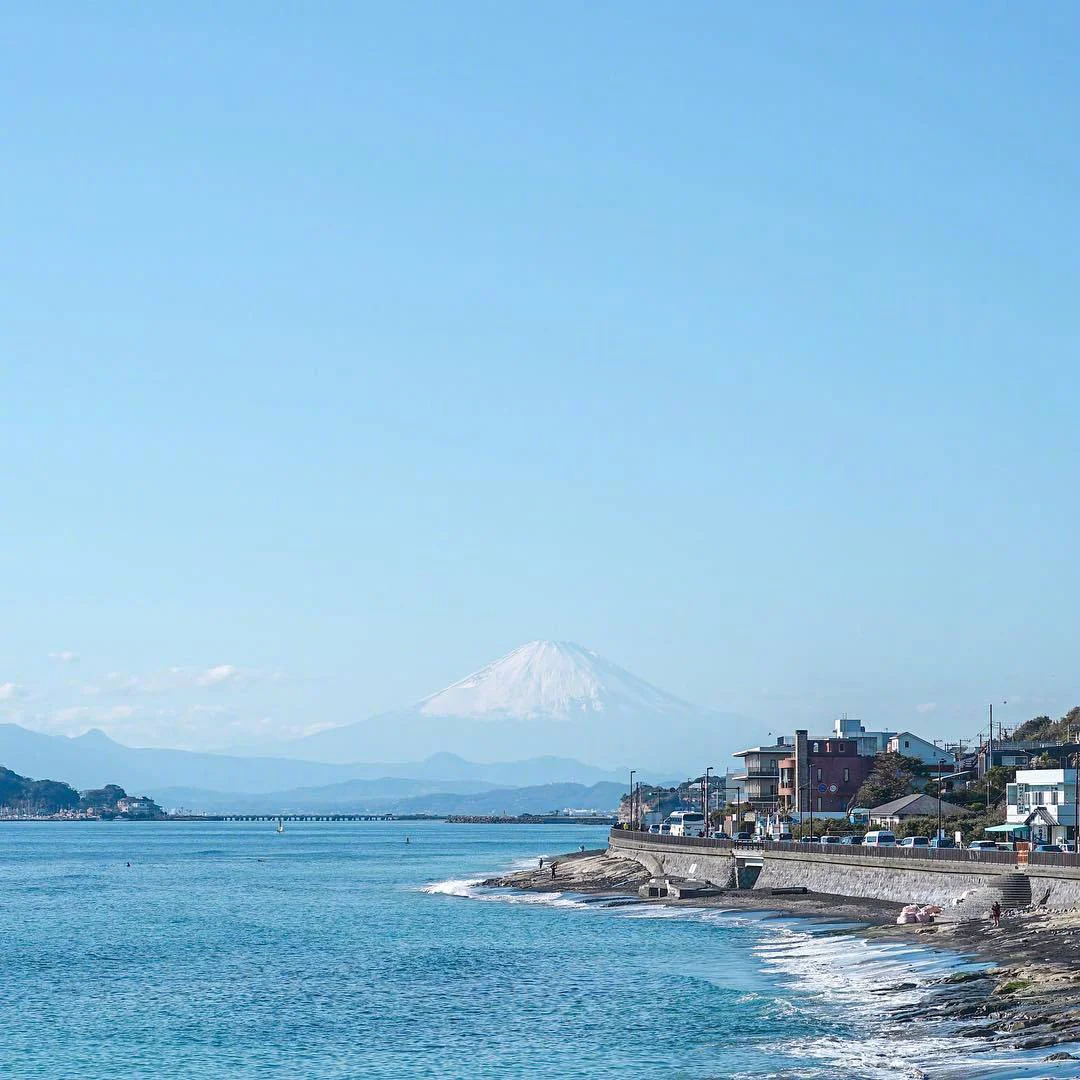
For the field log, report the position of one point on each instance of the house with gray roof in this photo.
(892, 813)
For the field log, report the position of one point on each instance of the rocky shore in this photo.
(1026, 998)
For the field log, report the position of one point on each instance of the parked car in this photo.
(654, 829)
(915, 841)
(982, 845)
(880, 838)
(851, 841)
(743, 836)
(942, 842)
(807, 839)
(1004, 845)
(719, 834)
(829, 840)
(1049, 847)
(783, 836)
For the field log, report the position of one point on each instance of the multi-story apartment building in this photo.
(822, 774)
(760, 777)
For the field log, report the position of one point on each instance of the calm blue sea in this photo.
(338, 950)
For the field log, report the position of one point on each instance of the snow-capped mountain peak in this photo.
(548, 680)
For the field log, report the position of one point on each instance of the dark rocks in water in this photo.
(1061, 1055)
(896, 988)
(1035, 1044)
(962, 977)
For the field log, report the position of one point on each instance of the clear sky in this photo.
(348, 346)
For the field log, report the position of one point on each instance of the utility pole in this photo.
(631, 822)
(1076, 804)
(989, 755)
(705, 799)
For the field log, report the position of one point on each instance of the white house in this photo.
(910, 745)
(1045, 801)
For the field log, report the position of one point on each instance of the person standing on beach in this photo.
(995, 913)
(541, 862)
(553, 865)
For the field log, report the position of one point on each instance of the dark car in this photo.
(1049, 847)
(743, 836)
(851, 841)
(942, 842)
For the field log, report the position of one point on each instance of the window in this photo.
(819, 804)
(906, 744)
(819, 776)
(847, 775)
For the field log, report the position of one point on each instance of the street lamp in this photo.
(939, 764)
(632, 772)
(705, 799)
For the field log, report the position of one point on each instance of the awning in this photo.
(1006, 828)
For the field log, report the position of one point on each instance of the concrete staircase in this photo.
(1015, 890)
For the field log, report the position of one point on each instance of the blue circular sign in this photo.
(822, 788)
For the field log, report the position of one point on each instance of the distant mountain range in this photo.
(547, 697)
(83, 760)
(395, 796)
(536, 711)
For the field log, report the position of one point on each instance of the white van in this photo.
(879, 838)
(686, 823)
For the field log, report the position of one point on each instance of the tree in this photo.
(892, 777)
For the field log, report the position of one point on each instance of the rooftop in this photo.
(917, 806)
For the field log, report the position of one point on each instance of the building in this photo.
(822, 775)
(904, 742)
(138, 806)
(868, 743)
(760, 778)
(889, 815)
(1021, 754)
(1044, 801)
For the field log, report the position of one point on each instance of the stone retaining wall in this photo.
(685, 862)
(903, 879)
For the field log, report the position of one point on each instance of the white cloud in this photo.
(926, 707)
(65, 656)
(9, 691)
(177, 679)
(215, 676)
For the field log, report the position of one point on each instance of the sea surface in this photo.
(340, 950)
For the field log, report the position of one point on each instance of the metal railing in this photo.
(1054, 858)
(858, 851)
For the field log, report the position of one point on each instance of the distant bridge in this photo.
(282, 817)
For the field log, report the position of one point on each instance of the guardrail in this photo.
(858, 851)
(1054, 858)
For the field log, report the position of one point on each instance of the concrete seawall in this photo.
(904, 878)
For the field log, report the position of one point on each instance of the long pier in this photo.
(285, 817)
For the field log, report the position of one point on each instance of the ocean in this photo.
(338, 950)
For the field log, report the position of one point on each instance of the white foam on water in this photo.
(470, 889)
(453, 887)
(844, 975)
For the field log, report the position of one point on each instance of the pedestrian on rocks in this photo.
(541, 862)
(553, 865)
(995, 913)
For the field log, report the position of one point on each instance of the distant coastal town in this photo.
(23, 799)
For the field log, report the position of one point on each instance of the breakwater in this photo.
(918, 876)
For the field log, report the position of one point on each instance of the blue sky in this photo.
(347, 347)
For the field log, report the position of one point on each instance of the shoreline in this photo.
(1025, 998)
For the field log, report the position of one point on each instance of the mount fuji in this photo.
(546, 697)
